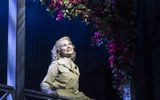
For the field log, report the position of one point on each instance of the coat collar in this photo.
(74, 69)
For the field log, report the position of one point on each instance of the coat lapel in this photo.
(74, 66)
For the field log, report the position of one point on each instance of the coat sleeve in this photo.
(52, 73)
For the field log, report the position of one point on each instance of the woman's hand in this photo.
(52, 92)
(46, 88)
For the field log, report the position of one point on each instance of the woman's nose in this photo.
(69, 46)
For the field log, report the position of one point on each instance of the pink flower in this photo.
(112, 51)
(96, 34)
(111, 59)
(60, 16)
(56, 4)
(60, 2)
(97, 41)
(75, 1)
(112, 46)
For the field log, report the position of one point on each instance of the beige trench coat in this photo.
(64, 80)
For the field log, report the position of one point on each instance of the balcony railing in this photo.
(28, 93)
(7, 90)
(40, 95)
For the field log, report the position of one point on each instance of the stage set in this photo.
(116, 44)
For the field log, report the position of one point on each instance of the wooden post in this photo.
(16, 47)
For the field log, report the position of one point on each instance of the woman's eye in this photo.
(70, 43)
(64, 45)
(67, 44)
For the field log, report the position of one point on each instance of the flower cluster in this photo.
(114, 26)
(68, 9)
(116, 31)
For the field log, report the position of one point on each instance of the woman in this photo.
(63, 75)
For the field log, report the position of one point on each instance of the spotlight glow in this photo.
(11, 64)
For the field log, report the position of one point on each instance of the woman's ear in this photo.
(58, 51)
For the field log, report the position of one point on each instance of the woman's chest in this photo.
(67, 73)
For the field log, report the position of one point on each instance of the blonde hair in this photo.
(56, 49)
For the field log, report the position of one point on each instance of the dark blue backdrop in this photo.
(42, 30)
(3, 39)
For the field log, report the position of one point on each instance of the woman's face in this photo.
(66, 48)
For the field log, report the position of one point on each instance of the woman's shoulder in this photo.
(53, 64)
(61, 61)
(58, 62)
